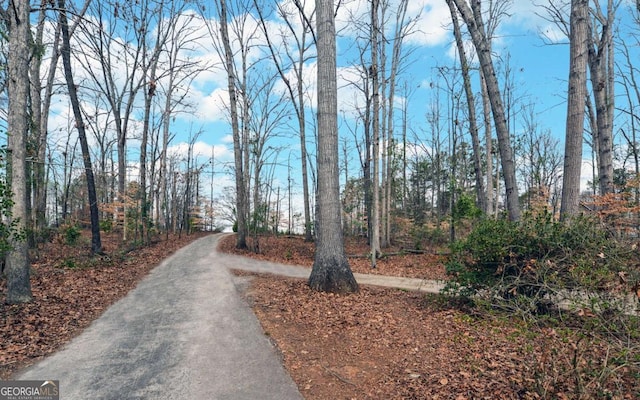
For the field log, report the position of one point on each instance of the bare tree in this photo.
(268, 112)
(149, 64)
(17, 260)
(577, 93)
(404, 27)
(628, 74)
(39, 122)
(179, 73)
(374, 236)
(541, 166)
(96, 243)
(111, 56)
(330, 272)
(471, 106)
(170, 35)
(601, 69)
(296, 58)
(241, 201)
(472, 17)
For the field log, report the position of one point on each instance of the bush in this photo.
(71, 234)
(424, 236)
(529, 269)
(106, 225)
(533, 261)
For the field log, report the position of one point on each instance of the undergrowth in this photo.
(572, 281)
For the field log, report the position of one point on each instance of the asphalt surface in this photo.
(185, 332)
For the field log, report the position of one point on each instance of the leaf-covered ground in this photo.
(392, 344)
(70, 291)
(376, 344)
(395, 261)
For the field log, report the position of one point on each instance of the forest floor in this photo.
(71, 290)
(394, 344)
(376, 344)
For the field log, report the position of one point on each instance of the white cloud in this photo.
(201, 151)
(433, 24)
(586, 175)
(212, 107)
(532, 16)
(552, 34)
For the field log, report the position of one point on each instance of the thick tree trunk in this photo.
(577, 93)
(241, 202)
(330, 272)
(17, 260)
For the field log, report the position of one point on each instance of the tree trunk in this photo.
(383, 100)
(475, 26)
(38, 135)
(473, 126)
(488, 132)
(396, 59)
(241, 238)
(577, 93)
(375, 127)
(149, 93)
(96, 243)
(330, 272)
(602, 83)
(17, 260)
(298, 102)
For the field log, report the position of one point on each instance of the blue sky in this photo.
(540, 68)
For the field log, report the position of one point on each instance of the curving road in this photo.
(183, 333)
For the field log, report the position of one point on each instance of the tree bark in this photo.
(601, 73)
(330, 272)
(17, 260)
(577, 93)
(96, 243)
(474, 23)
(471, 106)
(241, 202)
(375, 127)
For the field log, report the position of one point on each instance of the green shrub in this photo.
(106, 225)
(530, 260)
(424, 236)
(71, 234)
(526, 268)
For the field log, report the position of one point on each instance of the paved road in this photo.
(183, 333)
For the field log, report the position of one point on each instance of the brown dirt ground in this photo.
(393, 344)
